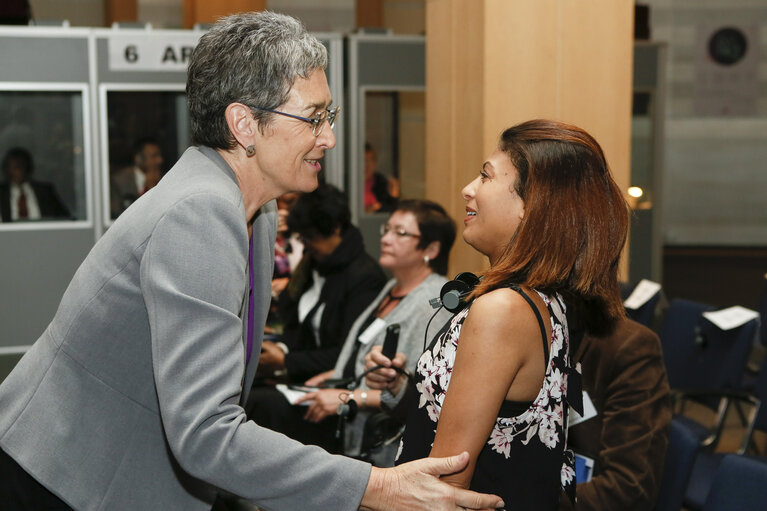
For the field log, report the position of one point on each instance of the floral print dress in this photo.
(524, 460)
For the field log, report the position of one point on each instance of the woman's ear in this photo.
(241, 123)
(432, 250)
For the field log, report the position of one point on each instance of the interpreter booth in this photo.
(46, 142)
(386, 102)
(141, 81)
(82, 103)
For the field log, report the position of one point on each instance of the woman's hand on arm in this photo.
(497, 339)
(416, 485)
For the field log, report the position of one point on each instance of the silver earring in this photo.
(426, 259)
(250, 150)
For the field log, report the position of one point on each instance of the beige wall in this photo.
(80, 13)
(492, 63)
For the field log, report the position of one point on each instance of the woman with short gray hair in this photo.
(131, 398)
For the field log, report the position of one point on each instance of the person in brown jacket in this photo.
(624, 376)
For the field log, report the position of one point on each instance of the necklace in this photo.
(388, 300)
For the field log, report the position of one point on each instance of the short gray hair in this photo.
(249, 58)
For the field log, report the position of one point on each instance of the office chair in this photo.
(701, 359)
(683, 444)
(763, 313)
(646, 313)
(740, 483)
(708, 463)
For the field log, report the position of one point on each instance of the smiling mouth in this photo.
(314, 163)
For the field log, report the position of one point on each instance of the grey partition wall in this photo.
(45, 135)
(335, 159)
(140, 76)
(647, 148)
(385, 87)
(76, 102)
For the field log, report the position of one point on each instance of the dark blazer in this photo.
(624, 376)
(47, 199)
(352, 281)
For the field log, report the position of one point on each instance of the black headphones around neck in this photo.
(453, 294)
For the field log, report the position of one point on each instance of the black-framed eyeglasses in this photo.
(399, 231)
(317, 121)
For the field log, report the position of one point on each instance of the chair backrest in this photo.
(760, 392)
(683, 445)
(644, 314)
(762, 310)
(698, 354)
(740, 483)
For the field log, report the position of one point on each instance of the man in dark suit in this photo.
(625, 379)
(22, 198)
(129, 183)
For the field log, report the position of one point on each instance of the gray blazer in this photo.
(131, 397)
(412, 314)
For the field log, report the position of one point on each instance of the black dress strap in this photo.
(540, 324)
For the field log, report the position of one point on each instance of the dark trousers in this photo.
(21, 492)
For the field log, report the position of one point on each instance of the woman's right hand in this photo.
(385, 377)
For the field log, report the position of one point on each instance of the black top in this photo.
(352, 280)
(524, 460)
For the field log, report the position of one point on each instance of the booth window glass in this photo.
(394, 155)
(147, 132)
(42, 150)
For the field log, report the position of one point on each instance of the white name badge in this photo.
(375, 328)
(588, 412)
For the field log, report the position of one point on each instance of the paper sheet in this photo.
(731, 317)
(293, 393)
(643, 291)
(589, 411)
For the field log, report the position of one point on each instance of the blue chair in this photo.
(708, 463)
(683, 444)
(763, 313)
(740, 483)
(646, 313)
(701, 360)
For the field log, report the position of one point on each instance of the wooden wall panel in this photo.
(454, 111)
(208, 11)
(120, 10)
(493, 63)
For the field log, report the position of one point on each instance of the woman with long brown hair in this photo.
(494, 381)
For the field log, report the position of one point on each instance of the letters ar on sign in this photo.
(155, 53)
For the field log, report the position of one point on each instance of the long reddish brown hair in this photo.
(575, 222)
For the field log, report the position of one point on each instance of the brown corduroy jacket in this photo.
(625, 378)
